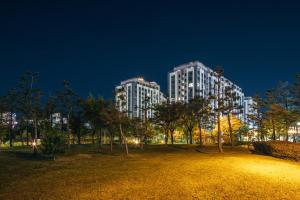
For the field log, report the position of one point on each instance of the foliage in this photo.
(188, 120)
(203, 113)
(236, 124)
(53, 142)
(167, 116)
(280, 149)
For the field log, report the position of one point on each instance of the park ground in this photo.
(158, 172)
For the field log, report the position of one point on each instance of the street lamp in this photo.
(34, 146)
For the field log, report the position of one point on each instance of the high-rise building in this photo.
(249, 110)
(137, 97)
(8, 117)
(194, 79)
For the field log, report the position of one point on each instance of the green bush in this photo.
(53, 142)
(242, 143)
(279, 149)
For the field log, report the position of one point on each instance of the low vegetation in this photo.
(278, 149)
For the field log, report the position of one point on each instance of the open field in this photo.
(178, 172)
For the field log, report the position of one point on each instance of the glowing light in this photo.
(136, 141)
(34, 144)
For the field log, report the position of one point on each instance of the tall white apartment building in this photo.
(7, 116)
(194, 79)
(137, 97)
(249, 110)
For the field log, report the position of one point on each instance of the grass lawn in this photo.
(178, 172)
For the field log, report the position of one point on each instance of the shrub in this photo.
(279, 149)
(242, 143)
(52, 143)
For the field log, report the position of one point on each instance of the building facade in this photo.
(8, 117)
(194, 79)
(137, 97)
(249, 110)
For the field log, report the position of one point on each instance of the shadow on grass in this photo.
(25, 155)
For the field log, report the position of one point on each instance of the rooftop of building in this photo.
(140, 80)
(200, 64)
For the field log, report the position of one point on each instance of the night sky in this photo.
(97, 44)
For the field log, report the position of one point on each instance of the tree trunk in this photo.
(166, 137)
(200, 134)
(287, 132)
(79, 136)
(120, 140)
(51, 121)
(219, 135)
(191, 136)
(100, 138)
(27, 135)
(172, 137)
(35, 129)
(123, 139)
(93, 136)
(218, 117)
(142, 138)
(142, 142)
(273, 130)
(21, 136)
(10, 131)
(69, 132)
(230, 130)
(111, 141)
(261, 132)
(187, 137)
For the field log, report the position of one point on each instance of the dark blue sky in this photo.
(96, 44)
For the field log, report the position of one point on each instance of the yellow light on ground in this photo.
(274, 169)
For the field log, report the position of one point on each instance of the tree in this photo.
(77, 123)
(285, 100)
(167, 116)
(6, 116)
(258, 116)
(272, 120)
(188, 120)
(10, 102)
(122, 116)
(111, 122)
(231, 108)
(28, 101)
(296, 101)
(3, 110)
(202, 111)
(94, 112)
(142, 123)
(231, 128)
(280, 109)
(66, 98)
(244, 131)
(296, 93)
(220, 103)
(49, 110)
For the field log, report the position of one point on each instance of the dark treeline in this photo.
(277, 113)
(96, 120)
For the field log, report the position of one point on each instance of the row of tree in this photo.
(203, 113)
(277, 112)
(34, 113)
(273, 115)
